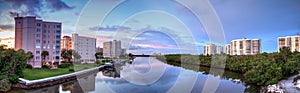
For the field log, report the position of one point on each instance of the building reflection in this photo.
(115, 70)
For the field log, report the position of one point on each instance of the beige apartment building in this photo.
(112, 49)
(293, 42)
(35, 35)
(212, 49)
(66, 43)
(7, 43)
(85, 47)
(244, 46)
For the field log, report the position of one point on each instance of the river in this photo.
(149, 75)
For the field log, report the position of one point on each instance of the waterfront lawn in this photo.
(39, 73)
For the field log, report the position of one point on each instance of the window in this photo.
(37, 46)
(44, 42)
(38, 41)
(57, 57)
(58, 26)
(57, 42)
(37, 52)
(44, 31)
(48, 26)
(48, 31)
(38, 24)
(37, 58)
(45, 26)
(57, 31)
(38, 30)
(38, 35)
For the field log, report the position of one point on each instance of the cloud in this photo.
(58, 5)
(35, 7)
(109, 28)
(6, 28)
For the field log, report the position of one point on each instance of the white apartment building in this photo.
(244, 46)
(293, 42)
(7, 43)
(85, 47)
(212, 49)
(112, 49)
(34, 35)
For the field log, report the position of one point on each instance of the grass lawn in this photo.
(39, 73)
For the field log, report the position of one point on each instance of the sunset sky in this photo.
(110, 19)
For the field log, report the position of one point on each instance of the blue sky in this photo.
(166, 23)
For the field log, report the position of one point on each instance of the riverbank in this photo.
(33, 84)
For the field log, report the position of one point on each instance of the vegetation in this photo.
(70, 54)
(260, 69)
(99, 55)
(12, 64)
(44, 55)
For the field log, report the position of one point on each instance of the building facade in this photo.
(7, 43)
(85, 47)
(112, 49)
(212, 49)
(34, 35)
(66, 43)
(293, 42)
(244, 46)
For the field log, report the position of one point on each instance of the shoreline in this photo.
(45, 82)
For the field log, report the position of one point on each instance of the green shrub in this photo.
(64, 65)
(14, 79)
(29, 66)
(71, 70)
(5, 85)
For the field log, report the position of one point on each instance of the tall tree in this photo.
(67, 54)
(99, 55)
(44, 55)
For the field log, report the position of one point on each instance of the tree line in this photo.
(260, 69)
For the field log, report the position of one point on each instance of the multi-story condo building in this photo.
(212, 49)
(85, 47)
(34, 35)
(293, 42)
(66, 43)
(244, 46)
(112, 49)
(228, 49)
(7, 43)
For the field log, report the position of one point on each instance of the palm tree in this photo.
(29, 55)
(44, 55)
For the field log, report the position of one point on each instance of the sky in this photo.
(167, 26)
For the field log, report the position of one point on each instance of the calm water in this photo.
(151, 76)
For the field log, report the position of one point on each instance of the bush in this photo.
(100, 63)
(71, 70)
(5, 85)
(64, 65)
(14, 79)
(45, 66)
(29, 66)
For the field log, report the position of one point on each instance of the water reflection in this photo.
(115, 79)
